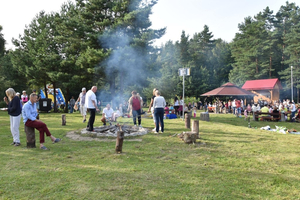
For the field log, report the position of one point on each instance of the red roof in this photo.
(262, 84)
(228, 89)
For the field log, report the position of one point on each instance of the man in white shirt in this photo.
(107, 114)
(90, 104)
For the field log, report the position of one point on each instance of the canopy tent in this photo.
(228, 89)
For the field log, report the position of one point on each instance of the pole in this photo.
(292, 83)
(183, 98)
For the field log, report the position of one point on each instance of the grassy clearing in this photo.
(230, 161)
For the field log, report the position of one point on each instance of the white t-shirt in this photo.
(108, 113)
(89, 97)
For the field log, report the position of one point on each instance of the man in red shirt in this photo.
(135, 106)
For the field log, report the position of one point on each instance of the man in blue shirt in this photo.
(30, 114)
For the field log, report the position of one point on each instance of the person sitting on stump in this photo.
(29, 114)
(107, 114)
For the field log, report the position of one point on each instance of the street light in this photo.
(292, 83)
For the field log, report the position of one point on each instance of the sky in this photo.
(221, 16)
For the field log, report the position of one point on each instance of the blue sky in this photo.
(221, 16)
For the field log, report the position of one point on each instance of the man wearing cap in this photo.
(90, 103)
(81, 100)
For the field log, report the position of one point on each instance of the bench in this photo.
(264, 116)
(30, 136)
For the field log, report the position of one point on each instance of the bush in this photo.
(3, 104)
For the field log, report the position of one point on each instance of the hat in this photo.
(18, 93)
(23, 91)
(33, 90)
(83, 89)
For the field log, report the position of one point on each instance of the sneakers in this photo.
(134, 125)
(13, 143)
(140, 126)
(17, 144)
(154, 130)
(84, 120)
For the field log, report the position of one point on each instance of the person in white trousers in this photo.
(14, 110)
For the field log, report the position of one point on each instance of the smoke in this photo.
(126, 67)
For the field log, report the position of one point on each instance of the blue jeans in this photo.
(239, 110)
(233, 109)
(159, 117)
(136, 113)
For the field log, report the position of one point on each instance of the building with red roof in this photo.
(266, 89)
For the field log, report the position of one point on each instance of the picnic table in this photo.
(265, 116)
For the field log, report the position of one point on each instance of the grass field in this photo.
(229, 161)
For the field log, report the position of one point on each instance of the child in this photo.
(194, 111)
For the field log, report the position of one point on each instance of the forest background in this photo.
(110, 44)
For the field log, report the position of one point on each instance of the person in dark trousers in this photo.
(135, 106)
(159, 103)
(91, 105)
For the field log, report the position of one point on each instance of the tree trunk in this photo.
(54, 97)
(270, 72)
(256, 61)
(67, 104)
(297, 95)
(46, 89)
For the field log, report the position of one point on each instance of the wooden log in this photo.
(187, 121)
(63, 120)
(30, 136)
(119, 141)
(189, 137)
(195, 127)
(204, 116)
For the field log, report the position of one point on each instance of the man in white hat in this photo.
(81, 99)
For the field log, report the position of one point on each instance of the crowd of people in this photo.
(27, 107)
(237, 107)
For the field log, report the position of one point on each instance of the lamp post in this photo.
(292, 83)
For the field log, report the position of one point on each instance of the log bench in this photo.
(30, 136)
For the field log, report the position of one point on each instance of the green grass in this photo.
(229, 161)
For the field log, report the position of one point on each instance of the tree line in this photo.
(110, 44)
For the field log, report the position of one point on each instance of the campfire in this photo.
(112, 131)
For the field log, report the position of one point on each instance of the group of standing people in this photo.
(25, 107)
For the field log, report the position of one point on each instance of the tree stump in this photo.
(204, 116)
(187, 121)
(63, 120)
(30, 136)
(195, 127)
(119, 141)
(189, 137)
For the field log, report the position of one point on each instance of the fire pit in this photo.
(111, 131)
